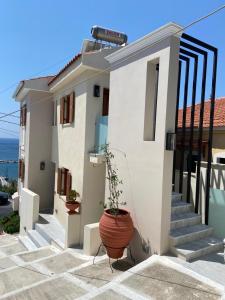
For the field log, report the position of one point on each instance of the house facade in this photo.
(36, 169)
(60, 117)
(126, 97)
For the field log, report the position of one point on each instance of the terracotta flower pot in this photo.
(72, 206)
(116, 231)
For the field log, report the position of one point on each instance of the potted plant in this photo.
(71, 202)
(116, 226)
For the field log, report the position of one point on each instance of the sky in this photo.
(39, 37)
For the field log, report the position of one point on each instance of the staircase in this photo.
(48, 231)
(189, 239)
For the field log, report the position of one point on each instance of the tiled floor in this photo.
(161, 282)
(100, 273)
(56, 289)
(61, 262)
(49, 274)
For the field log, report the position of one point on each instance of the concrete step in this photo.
(27, 242)
(37, 238)
(184, 219)
(51, 230)
(190, 233)
(181, 207)
(196, 249)
(176, 196)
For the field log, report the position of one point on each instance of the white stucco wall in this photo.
(35, 147)
(145, 167)
(71, 144)
(29, 210)
(38, 143)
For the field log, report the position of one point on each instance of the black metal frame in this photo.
(191, 48)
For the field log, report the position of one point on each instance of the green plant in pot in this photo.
(115, 226)
(71, 202)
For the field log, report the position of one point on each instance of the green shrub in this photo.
(11, 223)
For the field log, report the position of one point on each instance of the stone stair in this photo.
(189, 239)
(48, 231)
(27, 242)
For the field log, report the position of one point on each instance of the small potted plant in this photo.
(71, 202)
(116, 226)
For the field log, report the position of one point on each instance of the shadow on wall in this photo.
(137, 243)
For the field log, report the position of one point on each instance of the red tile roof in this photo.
(75, 58)
(219, 114)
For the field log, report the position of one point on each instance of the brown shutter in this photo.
(105, 105)
(20, 167)
(63, 182)
(22, 170)
(59, 181)
(68, 184)
(24, 115)
(71, 107)
(21, 116)
(62, 108)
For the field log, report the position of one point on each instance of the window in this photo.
(23, 115)
(152, 81)
(64, 181)
(67, 109)
(105, 104)
(21, 169)
(221, 160)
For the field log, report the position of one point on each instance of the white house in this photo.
(61, 119)
(124, 96)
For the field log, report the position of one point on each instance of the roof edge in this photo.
(74, 59)
(170, 29)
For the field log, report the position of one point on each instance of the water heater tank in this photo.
(108, 35)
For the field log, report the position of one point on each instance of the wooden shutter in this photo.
(21, 116)
(71, 107)
(64, 181)
(68, 184)
(62, 109)
(22, 170)
(20, 167)
(105, 105)
(24, 115)
(59, 181)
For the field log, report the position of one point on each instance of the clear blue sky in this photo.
(36, 35)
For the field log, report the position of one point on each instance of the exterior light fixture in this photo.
(96, 91)
(171, 141)
(42, 165)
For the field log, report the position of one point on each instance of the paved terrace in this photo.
(48, 273)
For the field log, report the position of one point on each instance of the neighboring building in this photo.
(61, 117)
(218, 146)
(35, 139)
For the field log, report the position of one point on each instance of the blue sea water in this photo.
(9, 150)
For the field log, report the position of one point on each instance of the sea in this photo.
(9, 150)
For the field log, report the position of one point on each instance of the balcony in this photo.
(101, 133)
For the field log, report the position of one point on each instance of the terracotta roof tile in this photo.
(75, 58)
(219, 114)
